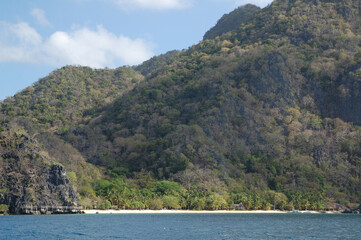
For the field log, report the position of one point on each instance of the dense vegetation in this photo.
(265, 115)
(70, 95)
(41, 113)
(231, 21)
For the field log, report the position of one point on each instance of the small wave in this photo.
(78, 234)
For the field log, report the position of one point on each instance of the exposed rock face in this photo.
(30, 184)
(356, 211)
(51, 193)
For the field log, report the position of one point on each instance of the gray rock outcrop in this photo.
(29, 182)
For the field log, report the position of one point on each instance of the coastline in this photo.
(94, 211)
(112, 211)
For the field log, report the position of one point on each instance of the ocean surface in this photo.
(182, 226)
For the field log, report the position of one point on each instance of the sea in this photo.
(182, 226)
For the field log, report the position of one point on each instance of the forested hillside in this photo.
(265, 114)
(231, 21)
(39, 115)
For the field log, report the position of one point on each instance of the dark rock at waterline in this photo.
(45, 191)
(347, 211)
(30, 183)
(57, 196)
(354, 211)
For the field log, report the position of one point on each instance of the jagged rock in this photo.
(355, 211)
(30, 184)
(56, 195)
(347, 210)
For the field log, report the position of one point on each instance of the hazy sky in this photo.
(39, 36)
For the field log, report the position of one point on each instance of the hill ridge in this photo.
(265, 115)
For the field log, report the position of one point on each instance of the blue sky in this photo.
(39, 36)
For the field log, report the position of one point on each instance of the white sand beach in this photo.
(171, 211)
(95, 211)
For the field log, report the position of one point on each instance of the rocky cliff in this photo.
(30, 182)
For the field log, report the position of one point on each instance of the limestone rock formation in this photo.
(29, 182)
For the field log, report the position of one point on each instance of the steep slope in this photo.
(322, 40)
(265, 115)
(31, 182)
(265, 107)
(44, 112)
(70, 95)
(232, 20)
(155, 63)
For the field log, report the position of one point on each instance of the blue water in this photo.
(182, 226)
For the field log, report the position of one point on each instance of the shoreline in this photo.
(165, 211)
(94, 211)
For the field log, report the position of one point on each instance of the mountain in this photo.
(267, 115)
(155, 63)
(33, 153)
(231, 21)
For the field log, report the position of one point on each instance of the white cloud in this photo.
(96, 48)
(39, 15)
(100, 48)
(18, 42)
(153, 4)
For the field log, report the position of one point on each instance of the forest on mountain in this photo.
(266, 114)
(231, 21)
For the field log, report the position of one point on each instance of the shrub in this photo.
(4, 208)
(156, 204)
(171, 202)
(105, 205)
